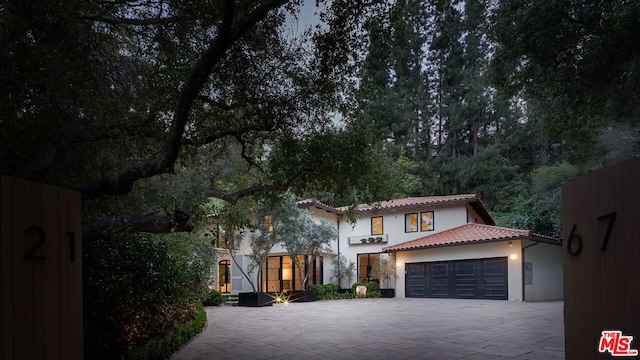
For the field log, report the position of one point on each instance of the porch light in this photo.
(513, 256)
(398, 263)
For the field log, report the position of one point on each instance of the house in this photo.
(441, 246)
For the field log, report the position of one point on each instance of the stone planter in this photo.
(302, 295)
(254, 299)
(388, 293)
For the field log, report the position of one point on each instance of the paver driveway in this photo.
(383, 329)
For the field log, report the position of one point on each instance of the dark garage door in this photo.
(462, 279)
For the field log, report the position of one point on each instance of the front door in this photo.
(223, 276)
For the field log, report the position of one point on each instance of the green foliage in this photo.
(355, 285)
(301, 235)
(548, 178)
(319, 290)
(213, 298)
(577, 66)
(138, 288)
(164, 347)
(372, 286)
(492, 176)
(540, 209)
(331, 292)
(331, 288)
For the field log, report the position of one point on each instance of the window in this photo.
(279, 273)
(411, 222)
(268, 223)
(376, 225)
(368, 265)
(426, 221)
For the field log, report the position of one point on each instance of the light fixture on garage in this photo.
(510, 244)
(513, 256)
(398, 263)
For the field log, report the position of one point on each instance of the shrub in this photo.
(138, 288)
(163, 348)
(372, 286)
(373, 294)
(355, 285)
(319, 290)
(214, 298)
(331, 288)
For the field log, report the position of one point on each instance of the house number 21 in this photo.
(574, 242)
(34, 251)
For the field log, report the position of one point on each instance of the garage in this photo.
(461, 279)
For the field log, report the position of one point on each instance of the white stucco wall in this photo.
(445, 217)
(547, 278)
(464, 252)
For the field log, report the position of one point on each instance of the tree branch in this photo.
(164, 162)
(136, 22)
(180, 221)
(234, 197)
(224, 133)
(218, 104)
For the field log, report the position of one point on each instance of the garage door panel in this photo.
(495, 279)
(464, 279)
(439, 279)
(416, 280)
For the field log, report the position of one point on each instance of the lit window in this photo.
(376, 225)
(411, 222)
(268, 223)
(426, 221)
(368, 267)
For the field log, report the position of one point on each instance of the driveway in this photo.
(383, 329)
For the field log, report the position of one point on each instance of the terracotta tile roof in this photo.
(466, 234)
(319, 204)
(471, 199)
(417, 201)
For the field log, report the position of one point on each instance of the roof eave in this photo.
(533, 237)
(411, 206)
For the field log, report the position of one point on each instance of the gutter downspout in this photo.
(338, 262)
(523, 263)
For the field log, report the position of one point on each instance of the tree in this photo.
(576, 67)
(342, 269)
(141, 100)
(303, 238)
(385, 270)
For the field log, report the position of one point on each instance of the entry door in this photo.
(224, 277)
(462, 279)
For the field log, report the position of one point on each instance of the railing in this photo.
(368, 239)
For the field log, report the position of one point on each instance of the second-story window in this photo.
(268, 223)
(411, 222)
(376, 225)
(426, 221)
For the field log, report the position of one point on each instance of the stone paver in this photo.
(383, 329)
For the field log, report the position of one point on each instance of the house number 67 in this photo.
(574, 242)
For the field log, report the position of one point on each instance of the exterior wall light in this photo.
(398, 263)
(513, 256)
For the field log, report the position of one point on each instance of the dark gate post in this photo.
(601, 253)
(40, 271)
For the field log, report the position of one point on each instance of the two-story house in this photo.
(441, 246)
